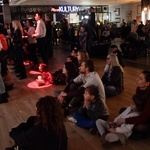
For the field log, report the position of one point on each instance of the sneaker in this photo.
(71, 119)
(137, 136)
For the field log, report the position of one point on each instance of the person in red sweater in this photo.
(142, 122)
(45, 78)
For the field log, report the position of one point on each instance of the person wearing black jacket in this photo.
(113, 76)
(72, 95)
(18, 49)
(44, 131)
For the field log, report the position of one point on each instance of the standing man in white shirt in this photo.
(40, 34)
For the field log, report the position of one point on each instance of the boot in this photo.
(14, 147)
(3, 98)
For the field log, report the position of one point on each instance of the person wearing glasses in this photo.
(113, 76)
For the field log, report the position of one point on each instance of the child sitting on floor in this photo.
(111, 132)
(45, 78)
(92, 109)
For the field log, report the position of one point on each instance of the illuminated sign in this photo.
(34, 9)
(65, 9)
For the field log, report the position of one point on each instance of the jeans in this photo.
(83, 121)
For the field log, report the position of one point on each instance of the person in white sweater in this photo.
(111, 132)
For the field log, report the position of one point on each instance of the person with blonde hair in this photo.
(18, 49)
(113, 76)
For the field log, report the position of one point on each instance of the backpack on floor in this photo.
(4, 44)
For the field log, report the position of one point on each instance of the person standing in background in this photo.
(91, 20)
(49, 45)
(90, 31)
(40, 34)
(32, 44)
(18, 49)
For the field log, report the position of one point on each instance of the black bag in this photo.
(60, 79)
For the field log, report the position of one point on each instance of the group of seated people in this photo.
(84, 98)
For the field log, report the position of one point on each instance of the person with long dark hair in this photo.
(45, 130)
(142, 122)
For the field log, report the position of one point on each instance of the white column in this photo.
(54, 17)
(6, 13)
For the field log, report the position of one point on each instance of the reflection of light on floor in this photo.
(34, 85)
(34, 72)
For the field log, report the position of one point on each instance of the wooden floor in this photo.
(22, 101)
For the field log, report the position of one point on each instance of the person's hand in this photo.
(120, 121)
(33, 36)
(60, 99)
(25, 31)
(112, 130)
(86, 104)
(63, 94)
(111, 122)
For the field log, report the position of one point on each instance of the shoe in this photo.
(16, 71)
(3, 101)
(7, 95)
(3, 98)
(93, 130)
(71, 119)
(23, 77)
(14, 147)
(103, 140)
(137, 136)
(18, 75)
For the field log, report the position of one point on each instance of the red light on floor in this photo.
(34, 72)
(34, 85)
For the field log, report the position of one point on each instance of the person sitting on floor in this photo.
(69, 72)
(82, 55)
(111, 131)
(115, 50)
(72, 95)
(44, 131)
(141, 122)
(45, 78)
(113, 76)
(92, 109)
